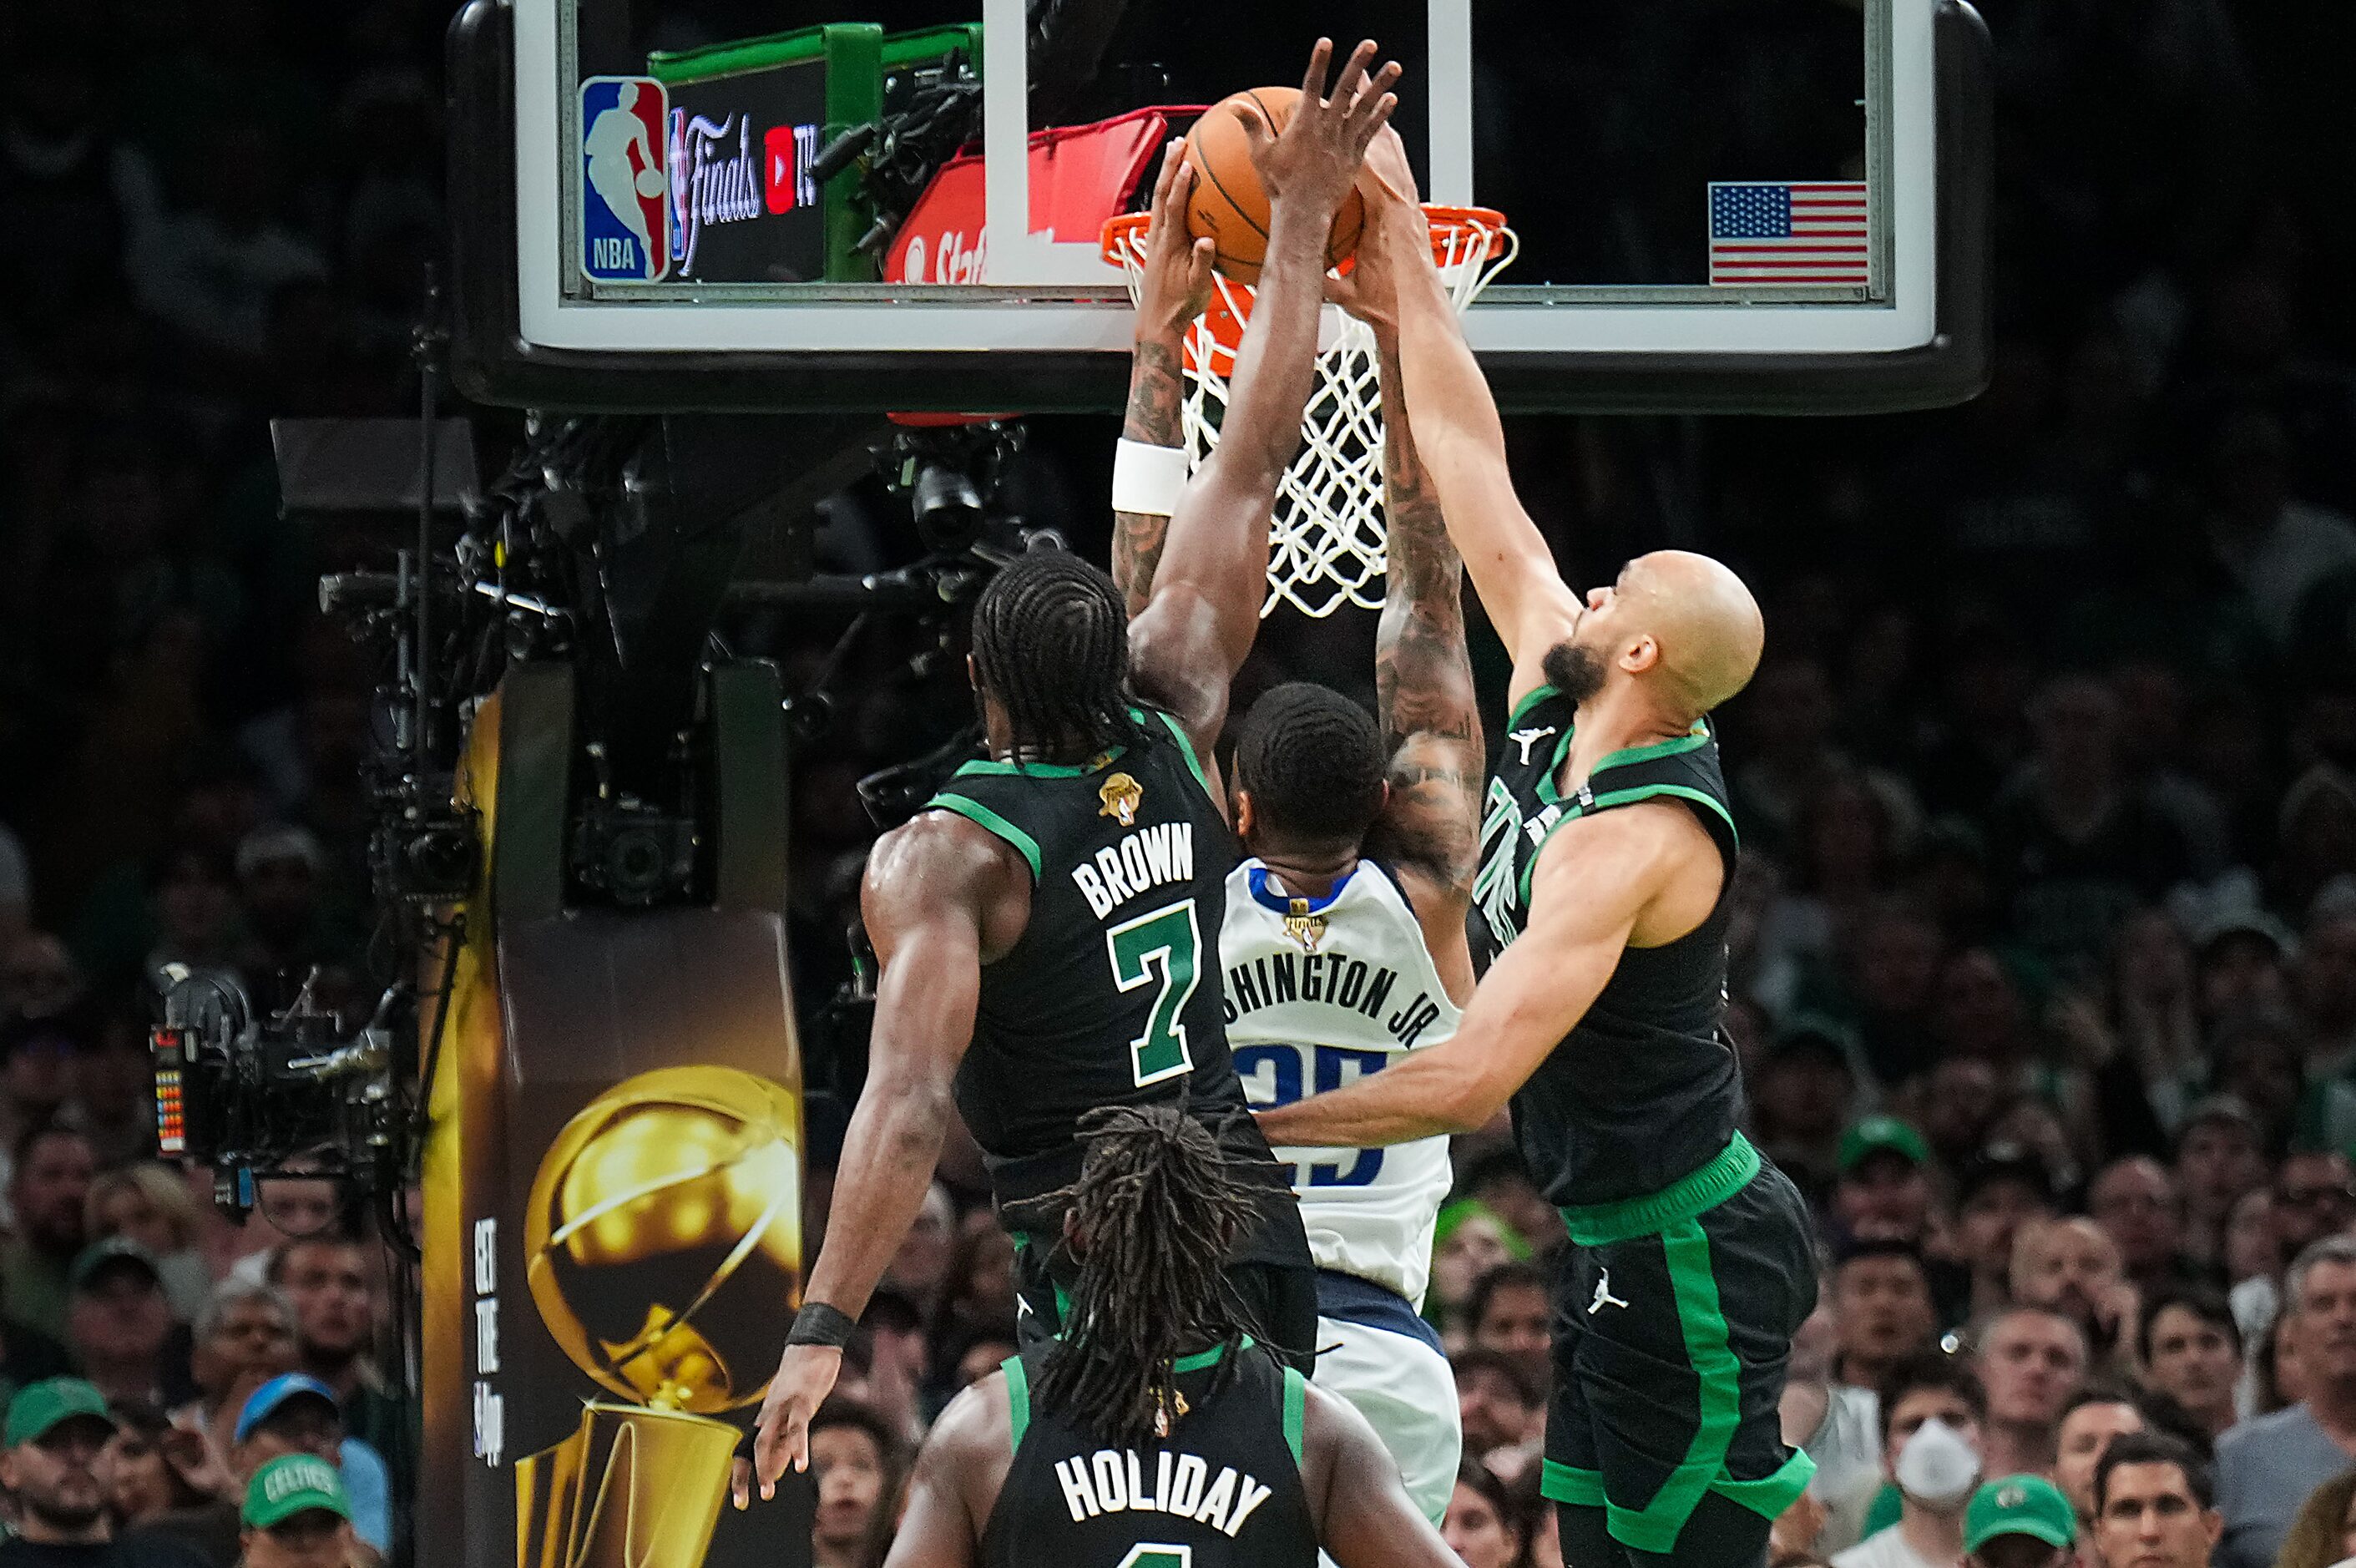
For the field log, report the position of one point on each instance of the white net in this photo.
(1326, 539)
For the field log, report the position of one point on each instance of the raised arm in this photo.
(1198, 623)
(1365, 1517)
(1459, 436)
(1592, 884)
(1423, 671)
(940, 897)
(1176, 287)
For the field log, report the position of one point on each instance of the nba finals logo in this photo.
(625, 204)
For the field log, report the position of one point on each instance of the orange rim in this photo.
(1447, 222)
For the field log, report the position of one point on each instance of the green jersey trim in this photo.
(1691, 740)
(1210, 1358)
(1296, 1402)
(1018, 1401)
(984, 817)
(1769, 1495)
(1620, 798)
(1601, 1224)
(1656, 1527)
(1570, 1484)
(1185, 749)
(984, 767)
(1515, 718)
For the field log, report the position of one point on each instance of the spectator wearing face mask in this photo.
(2030, 1360)
(1931, 1410)
(2268, 1465)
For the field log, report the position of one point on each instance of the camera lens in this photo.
(947, 506)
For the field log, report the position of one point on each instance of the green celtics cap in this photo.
(40, 1406)
(293, 1484)
(2018, 1505)
(1877, 1134)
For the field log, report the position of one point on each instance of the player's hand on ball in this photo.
(1369, 290)
(1177, 284)
(1385, 176)
(1317, 154)
(806, 1375)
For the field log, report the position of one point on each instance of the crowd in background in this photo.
(2045, 969)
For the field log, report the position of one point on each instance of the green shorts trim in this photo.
(1601, 1224)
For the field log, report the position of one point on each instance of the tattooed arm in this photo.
(1431, 827)
(1156, 387)
(1176, 286)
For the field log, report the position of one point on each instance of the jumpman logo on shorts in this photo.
(1603, 1296)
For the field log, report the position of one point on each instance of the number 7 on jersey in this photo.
(1168, 940)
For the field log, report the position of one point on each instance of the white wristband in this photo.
(1147, 478)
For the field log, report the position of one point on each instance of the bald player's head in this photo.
(1681, 625)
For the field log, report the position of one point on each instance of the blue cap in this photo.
(264, 1403)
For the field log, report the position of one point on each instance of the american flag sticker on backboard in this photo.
(1788, 234)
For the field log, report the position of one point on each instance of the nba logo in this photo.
(625, 206)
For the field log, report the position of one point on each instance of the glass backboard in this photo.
(698, 203)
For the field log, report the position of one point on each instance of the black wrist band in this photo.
(819, 1324)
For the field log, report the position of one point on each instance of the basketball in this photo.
(1227, 205)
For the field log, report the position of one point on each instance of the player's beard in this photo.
(1576, 673)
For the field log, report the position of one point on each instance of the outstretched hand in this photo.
(1175, 282)
(806, 1375)
(1317, 154)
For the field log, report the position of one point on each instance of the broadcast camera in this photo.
(608, 547)
(249, 1094)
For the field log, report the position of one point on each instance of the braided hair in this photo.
(1051, 644)
(1312, 762)
(1158, 1206)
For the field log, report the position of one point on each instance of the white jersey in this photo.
(1319, 994)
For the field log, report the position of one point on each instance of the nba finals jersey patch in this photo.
(624, 183)
(1121, 796)
(1303, 927)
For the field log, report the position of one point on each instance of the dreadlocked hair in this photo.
(1158, 1206)
(1051, 644)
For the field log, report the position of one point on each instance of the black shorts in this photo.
(1279, 1299)
(1673, 1323)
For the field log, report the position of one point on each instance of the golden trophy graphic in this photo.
(662, 1246)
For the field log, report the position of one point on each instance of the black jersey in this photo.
(1224, 1488)
(1644, 1089)
(1111, 996)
